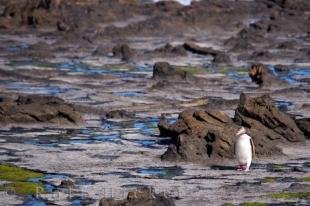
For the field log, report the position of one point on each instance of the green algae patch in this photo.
(277, 168)
(291, 195)
(254, 204)
(269, 180)
(23, 188)
(228, 204)
(14, 173)
(17, 178)
(239, 70)
(119, 67)
(305, 179)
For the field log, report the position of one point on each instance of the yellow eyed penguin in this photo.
(244, 150)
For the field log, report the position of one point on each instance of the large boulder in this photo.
(37, 109)
(199, 136)
(139, 197)
(266, 123)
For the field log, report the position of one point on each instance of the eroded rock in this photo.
(38, 109)
(265, 121)
(139, 197)
(199, 136)
(208, 135)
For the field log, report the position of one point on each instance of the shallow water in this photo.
(292, 76)
(29, 88)
(160, 172)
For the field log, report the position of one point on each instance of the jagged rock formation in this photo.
(209, 135)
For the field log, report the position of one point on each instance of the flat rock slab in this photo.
(37, 109)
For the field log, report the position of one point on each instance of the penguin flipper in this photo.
(252, 147)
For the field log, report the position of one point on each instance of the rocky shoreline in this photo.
(107, 99)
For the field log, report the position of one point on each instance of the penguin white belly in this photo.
(243, 151)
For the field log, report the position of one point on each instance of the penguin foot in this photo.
(242, 168)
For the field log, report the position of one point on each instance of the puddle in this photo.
(85, 181)
(114, 138)
(32, 201)
(129, 93)
(238, 75)
(292, 76)
(146, 143)
(49, 137)
(18, 47)
(81, 201)
(284, 105)
(48, 181)
(147, 126)
(76, 67)
(160, 172)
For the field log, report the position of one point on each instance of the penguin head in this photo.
(241, 131)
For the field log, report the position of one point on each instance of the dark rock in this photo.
(140, 197)
(303, 5)
(199, 50)
(304, 126)
(219, 56)
(123, 51)
(163, 70)
(263, 77)
(62, 26)
(66, 184)
(38, 109)
(267, 125)
(119, 114)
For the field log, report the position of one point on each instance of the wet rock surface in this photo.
(143, 196)
(37, 109)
